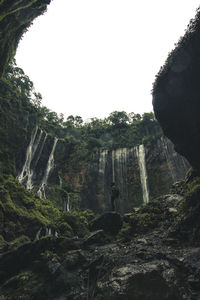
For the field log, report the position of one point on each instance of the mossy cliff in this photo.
(85, 162)
(15, 18)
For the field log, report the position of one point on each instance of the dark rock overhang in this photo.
(176, 94)
(15, 18)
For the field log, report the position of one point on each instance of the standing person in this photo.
(114, 195)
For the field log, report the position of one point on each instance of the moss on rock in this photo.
(15, 18)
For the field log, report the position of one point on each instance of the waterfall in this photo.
(40, 150)
(176, 163)
(113, 166)
(102, 161)
(37, 236)
(120, 158)
(49, 167)
(103, 184)
(48, 231)
(140, 151)
(68, 203)
(126, 169)
(102, 166)
(25, 177)
(60, 181)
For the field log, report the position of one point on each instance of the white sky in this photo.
(91, 57)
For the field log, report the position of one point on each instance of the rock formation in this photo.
(176, 95)
(147, 260)
(15, 18)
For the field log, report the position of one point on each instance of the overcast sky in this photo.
(91, 57)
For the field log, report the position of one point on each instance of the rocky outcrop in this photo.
(110, 222)
(176, 95)
(15, 18)
(146, 264)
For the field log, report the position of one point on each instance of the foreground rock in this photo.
(110, 222)
(143, 262)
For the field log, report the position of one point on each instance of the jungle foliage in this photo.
(118, 130)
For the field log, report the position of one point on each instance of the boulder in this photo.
(110, 222)
(145, 281)
(95, 237)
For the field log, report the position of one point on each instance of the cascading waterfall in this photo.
(176, 163)
(60, 181)
(37, 236)
(140, 151)
(26, 175)
(40, 150)
(49, 167)
(102, 166)
(102, 161)
(45, 231)
(103, 183)
(68, 203)
(113, 166)
(120, 159)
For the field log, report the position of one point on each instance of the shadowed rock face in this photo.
(15, 18)
(176, 95)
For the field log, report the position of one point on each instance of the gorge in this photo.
(128, 168)
(59, 238)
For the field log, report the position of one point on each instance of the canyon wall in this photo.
(139, 173)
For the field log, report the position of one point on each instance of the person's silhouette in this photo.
(114, 195)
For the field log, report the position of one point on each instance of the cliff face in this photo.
(15, 18)
(71, 178)
(91, 179)
(176, 95)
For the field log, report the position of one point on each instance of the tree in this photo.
(118, 119)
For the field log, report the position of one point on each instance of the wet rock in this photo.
(110, 223)
(74, 259)
(95, 237)
(139, 282)
(176, 95)
(53, 266)
(192, 259)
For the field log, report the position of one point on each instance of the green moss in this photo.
(186, 223)
(77, 221)
(25, 203)
(22, 285)
(2, 242)
(21, 240)
(145, 219)
(65, 229)
(22, 212)
(126, 231)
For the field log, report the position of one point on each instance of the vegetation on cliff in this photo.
(15, 19)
